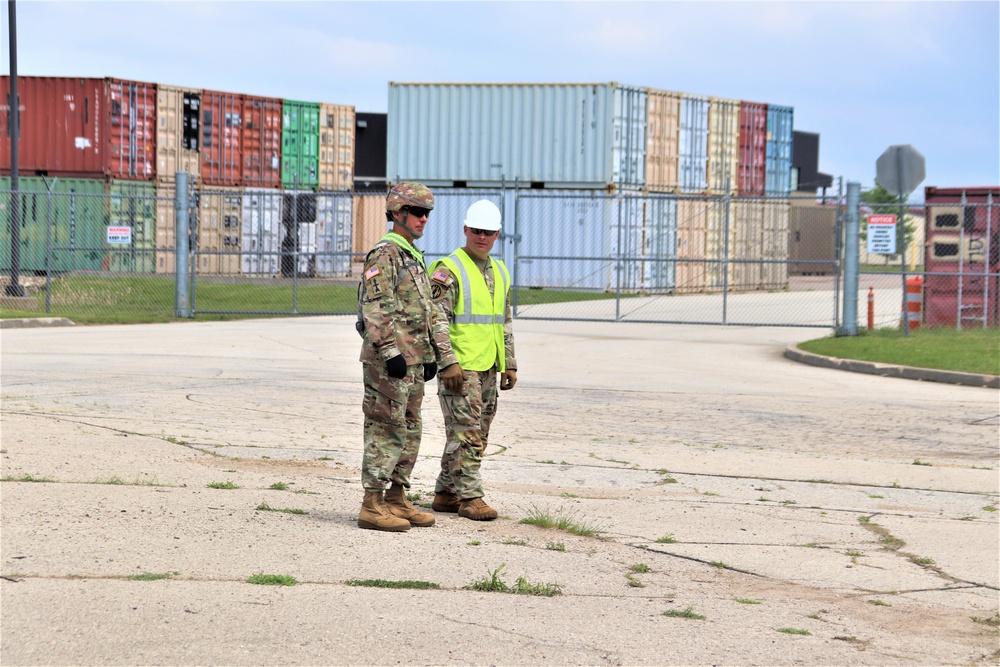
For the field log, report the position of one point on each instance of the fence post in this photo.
(851, 249)
(182, 300)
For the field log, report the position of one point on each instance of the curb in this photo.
(892, 370)
(29, 322)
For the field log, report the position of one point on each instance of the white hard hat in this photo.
(484, 214)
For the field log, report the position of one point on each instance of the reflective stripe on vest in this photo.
(477, 323)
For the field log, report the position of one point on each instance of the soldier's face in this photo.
(479, 242)
(412, 222)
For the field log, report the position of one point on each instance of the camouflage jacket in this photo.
(399, 315)
(445, 289)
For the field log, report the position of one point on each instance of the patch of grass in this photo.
(821, 481)
(264, 507)
(748, 601)
(918, 462)
(640, 568)
(917, 560)
(788, 502)
(972, 350)
(854, 553)
(413, 497)
(474, 543)
(633, 581)
(568, 495)
(26, 478)
(794, 631)
(990, 508)
(494, 583)
(545, 519)
(879, 603)
(891, 542)
(555, 546)
(278, 486)
(719, 564)
(762, 499)
(876, 496)
(992, 621)
(222, 485)
(272, 580)
(151, 576)
(385, 583)
(683, 613)
(515, 541)
(666, 539)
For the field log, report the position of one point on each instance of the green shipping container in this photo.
(133, 204)
(77, 212)
(300, 145)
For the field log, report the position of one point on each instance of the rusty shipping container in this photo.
(753, 148)
(178, 139)
(81, 127)
(962, 257)
(260, 144)
(221, 138)
(336, 147)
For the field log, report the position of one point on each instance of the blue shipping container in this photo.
(778, 171)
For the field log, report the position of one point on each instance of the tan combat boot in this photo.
(445, 502)
(476, 509)
(396, 502)
(376, 516)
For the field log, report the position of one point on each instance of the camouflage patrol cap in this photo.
(409, 193)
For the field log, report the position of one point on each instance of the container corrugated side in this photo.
(220, 224)
(131, 129)
(774, 244)
(482, 135)
(72, 221)
(369, 223)
(261, 142)
(692, 232)
(778, 173)
(221, 138)
(64, 126)
(166, 227)
(334, 223)
(132, 204)
(336, 147)
(260, 238)
(662, 135)
(300, 145)
(753, 148)
(723, 145)
(178, 136)
(693, 144)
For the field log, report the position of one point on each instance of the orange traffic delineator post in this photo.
(871, 307)
(913, 303)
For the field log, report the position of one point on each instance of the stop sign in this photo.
(900, 169)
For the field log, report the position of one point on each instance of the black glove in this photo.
(430, 370)
(396, 367)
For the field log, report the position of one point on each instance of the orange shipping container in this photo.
(261, 142)
(336, 147)
(81, 127)
(662, 131)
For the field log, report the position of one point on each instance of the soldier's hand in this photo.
(430, 370)
(396, 367)
(453, 378)
(508, 379)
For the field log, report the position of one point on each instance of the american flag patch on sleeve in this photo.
(371, 273)
(440, 276)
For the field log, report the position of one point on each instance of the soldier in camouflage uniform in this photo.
(405, 342)
(473, 289)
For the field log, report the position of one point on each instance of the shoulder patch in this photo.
(441, 276)
(372, 272)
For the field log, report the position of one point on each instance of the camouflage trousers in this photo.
(467, 419)
(392, 425)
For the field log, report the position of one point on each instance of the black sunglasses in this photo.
(419, 212)
(482, 232)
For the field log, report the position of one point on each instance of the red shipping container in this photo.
(962, 238)
(81, 127)
(221, 138)
(261, 142)
(753, 148)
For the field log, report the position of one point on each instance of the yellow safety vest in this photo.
(477, 323)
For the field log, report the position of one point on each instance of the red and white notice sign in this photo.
(882, 234)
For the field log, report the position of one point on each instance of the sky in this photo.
(864, 75)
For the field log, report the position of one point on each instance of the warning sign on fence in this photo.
(120, 235)
(882, 234)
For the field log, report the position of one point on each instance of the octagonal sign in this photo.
(900, 169)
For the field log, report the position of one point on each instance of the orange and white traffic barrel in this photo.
(913, 302)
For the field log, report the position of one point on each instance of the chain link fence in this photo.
(92, 250)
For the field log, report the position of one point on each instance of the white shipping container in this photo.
(693, 144)
(481, 135)
(261, 237)
(334, 225)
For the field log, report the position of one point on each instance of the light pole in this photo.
(14, 110)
